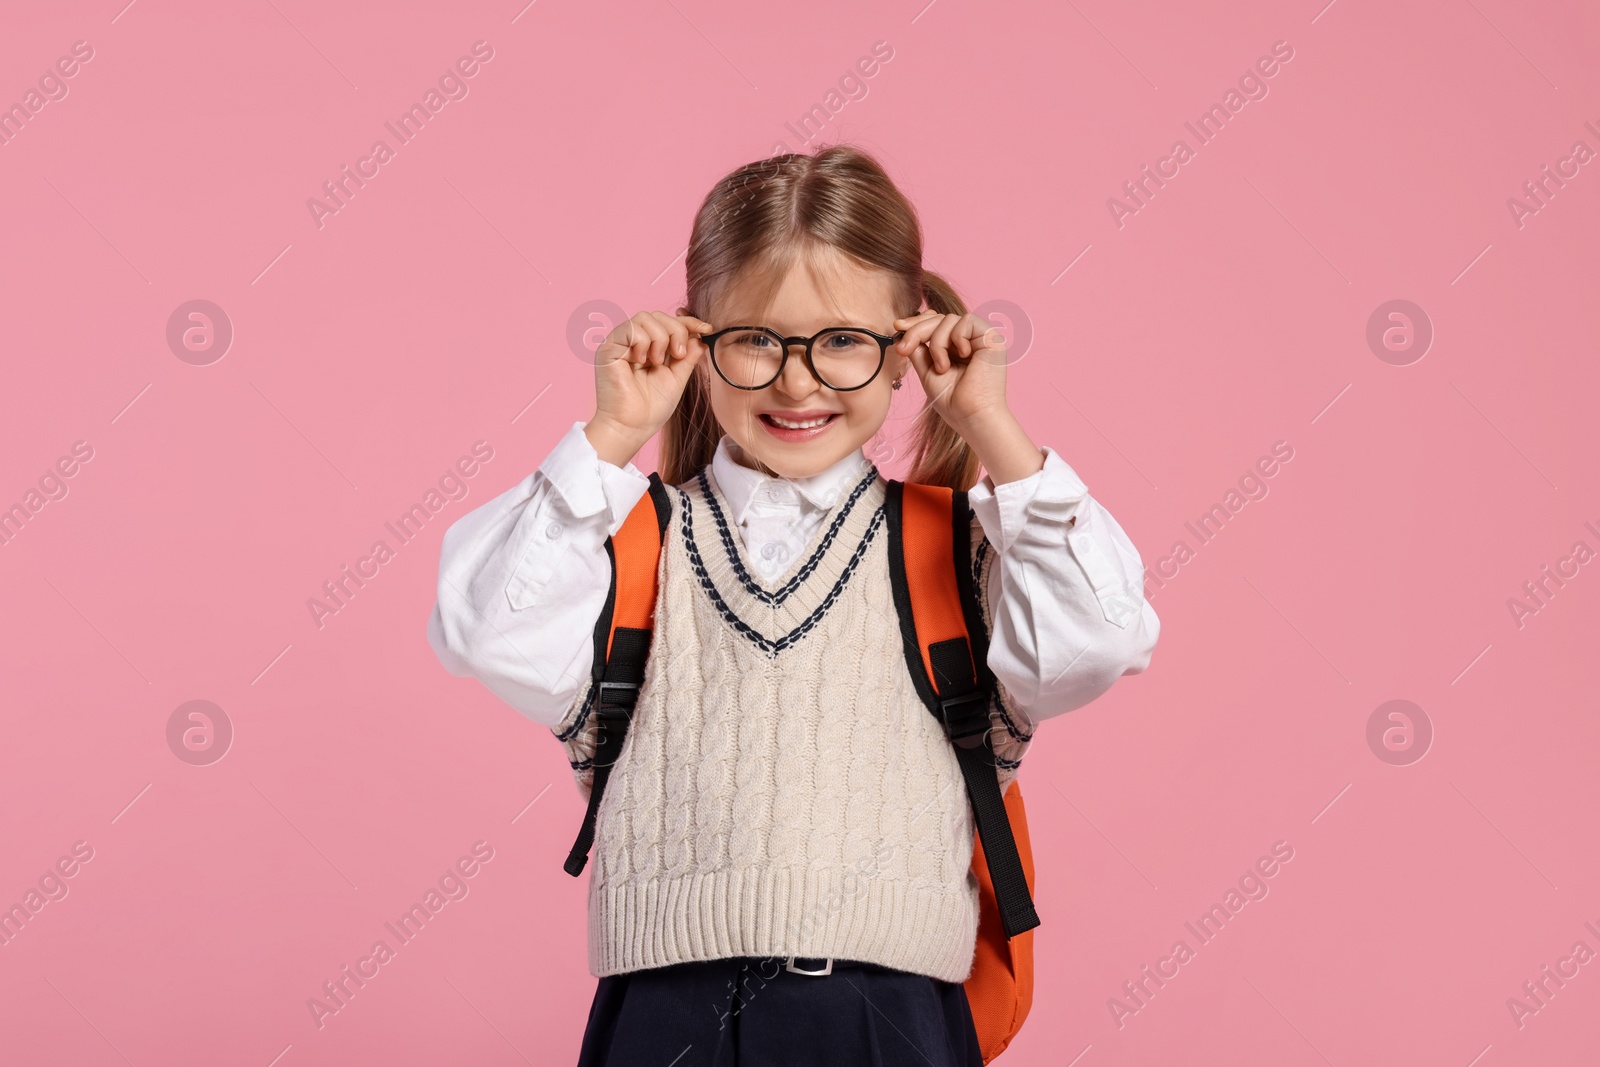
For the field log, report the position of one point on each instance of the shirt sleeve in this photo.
(523, 578)
(1065, 594)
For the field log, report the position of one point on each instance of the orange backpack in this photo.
(946, 647)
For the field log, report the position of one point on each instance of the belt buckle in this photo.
(827, 967)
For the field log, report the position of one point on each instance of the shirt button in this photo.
(769, 550)
(553, 531)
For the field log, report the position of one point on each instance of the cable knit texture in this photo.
(783, 790)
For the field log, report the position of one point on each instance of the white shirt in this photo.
(523, 577)
(777, 516)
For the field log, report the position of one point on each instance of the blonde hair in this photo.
(760, 218)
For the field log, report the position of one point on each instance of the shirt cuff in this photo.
(1053, 492)
(1054, 497)
(588, 484)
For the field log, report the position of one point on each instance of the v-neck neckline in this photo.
(793, 576)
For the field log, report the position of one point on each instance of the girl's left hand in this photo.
(961, 360)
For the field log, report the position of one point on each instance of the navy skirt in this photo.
(754, 1010)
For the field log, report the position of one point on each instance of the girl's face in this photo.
(855, 296)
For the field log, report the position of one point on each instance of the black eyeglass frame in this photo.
(710, 341)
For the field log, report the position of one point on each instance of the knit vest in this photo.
(782, 789)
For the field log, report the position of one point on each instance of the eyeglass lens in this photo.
(844, 359)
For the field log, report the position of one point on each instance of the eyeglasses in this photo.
(752, 357)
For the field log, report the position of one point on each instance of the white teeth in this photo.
(788, 425)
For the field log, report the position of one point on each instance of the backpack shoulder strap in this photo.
(946, 648)
(622, 644)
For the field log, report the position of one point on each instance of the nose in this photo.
(796, 380)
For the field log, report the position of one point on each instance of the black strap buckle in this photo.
(611, 717)
(629, 695)
(966, 728)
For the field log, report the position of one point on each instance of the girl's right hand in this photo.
(640, 372)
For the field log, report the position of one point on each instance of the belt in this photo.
(812, 967)
(816, 967)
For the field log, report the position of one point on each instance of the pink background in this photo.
(1230, 312)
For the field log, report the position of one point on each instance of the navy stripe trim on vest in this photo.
(583, 717)
(772, 646)
(725, 533)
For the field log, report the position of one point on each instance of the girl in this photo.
(777, 740)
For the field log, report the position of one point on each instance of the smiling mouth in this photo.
(800, 424)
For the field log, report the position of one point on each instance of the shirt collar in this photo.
(742, 485)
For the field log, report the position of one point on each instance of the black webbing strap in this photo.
(616, 678)
(615, 696)
(961, 704)
(965, 713)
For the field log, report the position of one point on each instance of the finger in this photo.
(649, 341)
(677, 335)
(920, 363)
(692, 330)
(696, 346)
(638, 338)
(698, 350)
(916, 334)
(959, 344)
(922, 360)
(939, 343)
(682, 368)
(663, 344)
(900, 324)
(961, 336)
(618, 345)
(991, 335)
(988, 341)
(633, 339)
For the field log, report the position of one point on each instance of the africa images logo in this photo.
(452, 86)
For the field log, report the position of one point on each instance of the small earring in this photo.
(898, 383)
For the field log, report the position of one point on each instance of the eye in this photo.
(750, 339)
